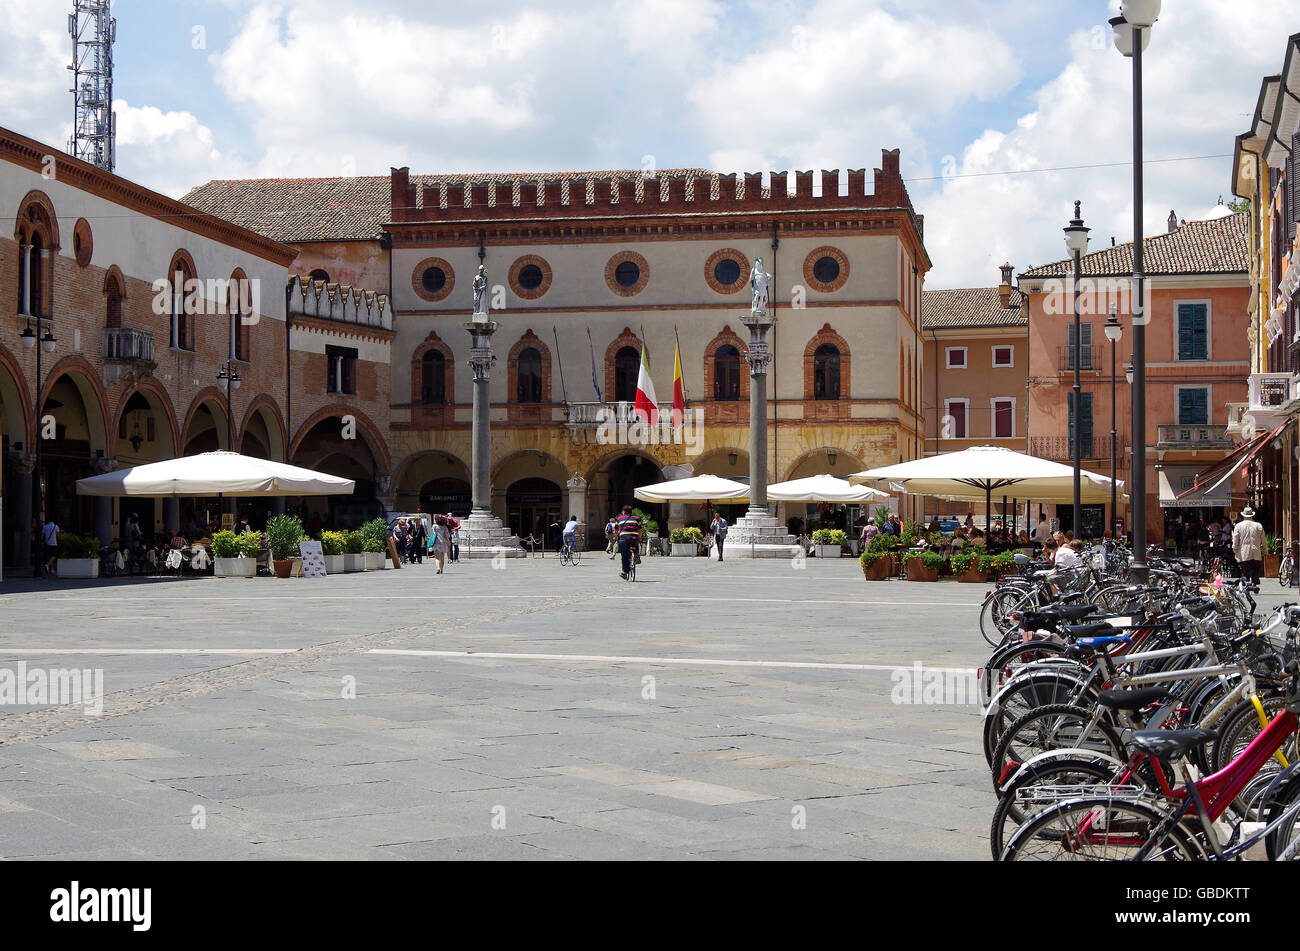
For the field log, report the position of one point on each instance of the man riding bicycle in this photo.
(570, 534)
(627, 529)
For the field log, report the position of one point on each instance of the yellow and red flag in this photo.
(679, 385)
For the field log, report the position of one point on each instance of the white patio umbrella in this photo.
(823, 488)
(967, 474)
(214, 473)
(703, 488)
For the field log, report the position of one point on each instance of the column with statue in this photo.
(483, 535)
(757, 533)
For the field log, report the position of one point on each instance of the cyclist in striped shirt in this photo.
(627, 529)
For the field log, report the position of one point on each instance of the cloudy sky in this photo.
(995, 105)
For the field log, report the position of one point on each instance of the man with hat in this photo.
(1248, 545)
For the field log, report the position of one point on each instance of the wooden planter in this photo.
(282, 567)
(1272, 564)
(878, 570)
(974, 575)
(916, 571)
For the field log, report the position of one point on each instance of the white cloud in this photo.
(1201, 75)
(167, 151)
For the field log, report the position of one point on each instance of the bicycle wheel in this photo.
(1284, 572)
(1055, 727)
(1283, 843)
(1240, 727)
(1018, 801)
(1034, 691)
(1100, 829)
(995, 614)
(575, 555)
(631, 571)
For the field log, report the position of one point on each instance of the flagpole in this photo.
(678, 341)
(560, 362)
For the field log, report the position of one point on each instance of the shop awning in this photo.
(1178, 489)
(1209, 480)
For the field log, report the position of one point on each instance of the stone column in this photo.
(22, 465)
(103, 506)
(577, 487)
(481, 361)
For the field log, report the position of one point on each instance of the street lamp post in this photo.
(1132, 33)
(1076, 242)
(228, 380)
(47, 342)
(1113, 333)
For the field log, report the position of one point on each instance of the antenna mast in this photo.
(94, 129)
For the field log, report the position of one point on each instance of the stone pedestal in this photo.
(759, 536)
(484, 536)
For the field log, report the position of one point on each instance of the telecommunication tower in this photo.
(94, 130)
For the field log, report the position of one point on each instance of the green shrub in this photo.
(882, 516)
(648, 525)
(354, 543)
(225, 544)
(930, 559)
(828, 536)
(333, 543)
(872, 555)
(283, 533)
(1000, 563)
(684, 536)
(72, 545)
(249, 544)
(375, 535)
(963, 559)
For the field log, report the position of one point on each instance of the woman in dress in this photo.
(441, 541)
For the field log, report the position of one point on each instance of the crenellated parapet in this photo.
(339, 302)
(443, 198)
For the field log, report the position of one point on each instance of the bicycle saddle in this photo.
(1094, 634)
(1132, 699)
(1068, 612)
(1169, 744)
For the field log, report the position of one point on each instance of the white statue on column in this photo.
(758, 281)
(480, 290)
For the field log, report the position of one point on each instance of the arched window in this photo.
(35, 274)
(433, 379)
(726, 374)
(240, 308)
(530, 377)
(180, 273)
(627, 367)
(113, 307)
(319, 275)
(826, 372)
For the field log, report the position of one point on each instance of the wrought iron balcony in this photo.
(1089, 358)
(1193, 437)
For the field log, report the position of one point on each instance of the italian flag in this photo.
(647, 405)
(679, 388)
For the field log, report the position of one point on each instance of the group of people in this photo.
(441, 540)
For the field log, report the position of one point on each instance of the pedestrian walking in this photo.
(419, 541)
(611, 537)
(719, 527)
(50, 539)
(453, 531)
(441, 542)
(1248, 545)
(401, 537)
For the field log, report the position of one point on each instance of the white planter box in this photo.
(686, 549)
(234, 567)
(354, 562)
(77, 568)
(376, 560)
(827, 551)
(334, 564)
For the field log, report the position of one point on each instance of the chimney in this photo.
(1004, 289)
(1173, 222)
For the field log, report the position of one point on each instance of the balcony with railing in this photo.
(1268, 393)
(1061, 448)
(1089, 359)
(1171, 436)
(127, 353)
(592, 415)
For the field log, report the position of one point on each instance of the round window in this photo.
(530, 277)
(627, 274)
(826, 270)
(433, 279)
(727, 271)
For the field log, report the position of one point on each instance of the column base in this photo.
(759, 535)
(482, 535)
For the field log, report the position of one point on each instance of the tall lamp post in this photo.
(28, 337)
(1134, 24)
(1076, 242)
(1113, 333)
(228, 380)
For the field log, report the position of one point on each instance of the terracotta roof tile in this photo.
(970, 307)
(1212, 246)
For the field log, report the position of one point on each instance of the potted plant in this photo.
(683, 541)
(332, 546)
(999, 564)
(876, 560)
(283, 533)
(374, 534)
(922, 565)
(966, 565)
(78, 556)
(827, 542)
(1272, 555)
(354, 548)
(228, 557)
